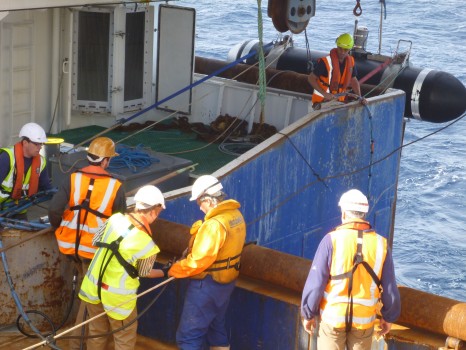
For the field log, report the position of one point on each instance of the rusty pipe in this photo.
(257, 262)
(433, 313)
(418, 309)
(279, 79)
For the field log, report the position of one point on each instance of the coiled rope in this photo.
(133, 158)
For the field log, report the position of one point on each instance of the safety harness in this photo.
(357, 260)
(85, 205)
(228, 264)
(113, 247)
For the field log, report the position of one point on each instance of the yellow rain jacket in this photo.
(216, 245)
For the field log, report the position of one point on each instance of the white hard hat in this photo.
(33, 132)
(148, 196)
(354, 200)
(205, 184)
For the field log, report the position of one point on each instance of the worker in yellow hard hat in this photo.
(335, 74)
(84, 201)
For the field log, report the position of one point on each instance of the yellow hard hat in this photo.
(102, 147)
(345, 41)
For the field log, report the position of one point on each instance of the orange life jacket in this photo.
(17, 182)
(92, 195)
(335, 82)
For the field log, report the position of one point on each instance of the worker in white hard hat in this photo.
(352, 278)
(212, 265)
(126, 252)
(22, 169)
(84, 201)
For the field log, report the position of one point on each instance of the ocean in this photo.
(429, 247)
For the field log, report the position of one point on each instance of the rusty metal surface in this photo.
(41, 276)
(433, 313)
(257, 262)
(279, 79)
(419, 309)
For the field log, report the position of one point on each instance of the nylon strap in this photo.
(357, 260)
(113, 248)
(84, 205)
(228, 265)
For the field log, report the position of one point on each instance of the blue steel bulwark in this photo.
(289, 200)
(289, 186)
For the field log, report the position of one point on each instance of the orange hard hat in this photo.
(102, 147)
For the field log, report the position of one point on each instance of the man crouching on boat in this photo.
(126, 252)
(351, 273)
(335, 74)
(212, 264)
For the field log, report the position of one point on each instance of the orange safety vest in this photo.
(363, 289)
(335, 82)
(90, 205)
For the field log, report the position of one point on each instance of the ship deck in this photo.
(12, 339)
(198, 145)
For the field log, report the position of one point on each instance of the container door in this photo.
(175, 60)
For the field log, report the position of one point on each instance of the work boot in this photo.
(220, 348)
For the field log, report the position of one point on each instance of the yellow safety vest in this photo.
(7, 184)
(365, 292)
(117, 287)
(225, 269)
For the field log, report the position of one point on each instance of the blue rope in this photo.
(132, 158)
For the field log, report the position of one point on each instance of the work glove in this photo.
(166, 267)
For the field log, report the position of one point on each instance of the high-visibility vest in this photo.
(90, 205)
(342, 81)
(225, 269)
(365, 291)
(117, 287)
(8, 182)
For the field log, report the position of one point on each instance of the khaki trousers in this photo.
(330, 338)
(124, 339)
(78, 344)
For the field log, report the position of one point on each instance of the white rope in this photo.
(44, 342)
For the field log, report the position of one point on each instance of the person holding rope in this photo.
(22, 169)
(334, 73)
(84, 201)
(351, 276)
(211, 263)
(125, 252)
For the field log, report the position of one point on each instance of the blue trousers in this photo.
(203, 316)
